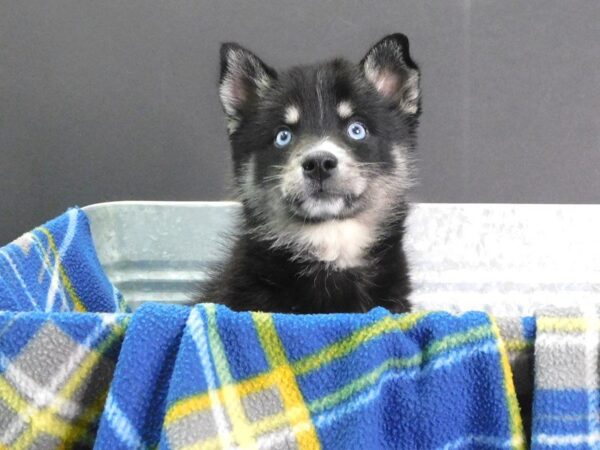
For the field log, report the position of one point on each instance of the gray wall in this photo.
(111, 100)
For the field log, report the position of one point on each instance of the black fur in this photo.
(266, 272)
(258, 278)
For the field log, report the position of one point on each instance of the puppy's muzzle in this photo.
(319, 166)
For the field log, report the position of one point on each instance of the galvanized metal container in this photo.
(507, 259)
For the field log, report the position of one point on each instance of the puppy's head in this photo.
(322, 142)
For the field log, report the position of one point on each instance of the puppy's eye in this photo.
(356, 131)
(283, 138)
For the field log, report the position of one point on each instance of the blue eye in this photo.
(357, 131)
(283, 138)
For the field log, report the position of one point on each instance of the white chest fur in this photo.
(342, 243)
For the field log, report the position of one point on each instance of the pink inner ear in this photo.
(386, 82)
(238, 91)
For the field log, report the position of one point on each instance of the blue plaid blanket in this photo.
(55, 268)
(77, 370)
(220, 379)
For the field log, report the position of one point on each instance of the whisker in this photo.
(273, 178)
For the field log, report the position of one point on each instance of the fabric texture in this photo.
(214, 378)
(55, 268)
(61, 327)
(55, 370)
(566, 404)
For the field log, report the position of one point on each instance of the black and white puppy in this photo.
(321, 158)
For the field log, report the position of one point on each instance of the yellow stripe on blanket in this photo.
(568, 324)
(516, 424)
(49, 420)
(242, 432)
(77, 303)
(293, 402)
(387, 325)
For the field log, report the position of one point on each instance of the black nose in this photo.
(319, 165)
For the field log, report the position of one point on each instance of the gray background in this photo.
(113, 100)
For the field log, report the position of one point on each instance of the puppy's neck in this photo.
(338, 244)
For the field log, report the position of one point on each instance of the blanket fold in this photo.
(566, 404)
(136, 404)
(55, 268)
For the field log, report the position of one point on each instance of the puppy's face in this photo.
(322, 142)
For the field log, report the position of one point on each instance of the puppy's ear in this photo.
(390, 69)
(244, 78)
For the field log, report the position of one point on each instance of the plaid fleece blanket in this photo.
(219, 379)
(78, 371)
(61, 327)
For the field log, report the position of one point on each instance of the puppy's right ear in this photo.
(244, 79)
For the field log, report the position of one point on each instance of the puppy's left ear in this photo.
(390, 69)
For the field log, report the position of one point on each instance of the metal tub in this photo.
(507, 259)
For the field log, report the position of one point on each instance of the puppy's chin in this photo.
(323, 207)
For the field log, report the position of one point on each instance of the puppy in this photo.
(321, 157)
